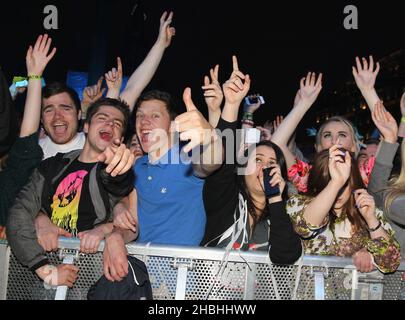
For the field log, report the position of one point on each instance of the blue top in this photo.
(170, 202)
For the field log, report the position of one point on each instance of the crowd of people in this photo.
(75, 171)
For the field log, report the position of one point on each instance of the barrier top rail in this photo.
(196, 253)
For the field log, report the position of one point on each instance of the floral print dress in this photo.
(340, 240)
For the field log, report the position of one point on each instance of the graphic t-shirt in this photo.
(72, 208)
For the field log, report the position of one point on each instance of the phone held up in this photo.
(269, 191)
(253, 99)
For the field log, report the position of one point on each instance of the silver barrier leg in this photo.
(4, 267)
(319, 286)
(355, 283)
(182, 278)
(61, 291)
(250, 278)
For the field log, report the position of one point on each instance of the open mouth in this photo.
(59, 128)
(106, 136)
(145, 136)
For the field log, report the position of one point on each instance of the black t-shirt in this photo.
(71, 207)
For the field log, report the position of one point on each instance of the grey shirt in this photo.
(378, 188)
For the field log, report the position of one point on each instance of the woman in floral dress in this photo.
(338, 217)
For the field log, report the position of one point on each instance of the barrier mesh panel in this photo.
(392, 286)
(203, 280)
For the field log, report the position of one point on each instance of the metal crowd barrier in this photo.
(188, 273)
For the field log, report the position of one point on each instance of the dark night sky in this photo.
(275, 43)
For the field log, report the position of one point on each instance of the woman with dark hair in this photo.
(239, 215)
(338, 217)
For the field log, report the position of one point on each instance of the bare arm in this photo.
(113, 78)
(144, 73)
(365, 77)
(213, 96)
(235, 89)
(317, 211)
(90, 95)
(37, 58)
(310, 87)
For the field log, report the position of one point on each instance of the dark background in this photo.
(276, 43)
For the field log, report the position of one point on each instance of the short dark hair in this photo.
(55, 88)
(372, 141)
(165, 97)
(116, 103)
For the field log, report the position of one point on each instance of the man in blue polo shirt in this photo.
(168, 182)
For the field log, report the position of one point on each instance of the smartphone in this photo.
(21, 84)
(269, 191)
(253, 100)
(252, 135)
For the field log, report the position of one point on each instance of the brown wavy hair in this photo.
(319, 178)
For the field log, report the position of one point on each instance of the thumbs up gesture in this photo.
(193, 126)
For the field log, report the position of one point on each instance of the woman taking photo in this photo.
(339, 218)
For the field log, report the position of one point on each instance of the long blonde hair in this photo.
(396, 186)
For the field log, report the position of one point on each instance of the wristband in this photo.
(248, 116)
(34, 76)
(376, 228)
(248, 122)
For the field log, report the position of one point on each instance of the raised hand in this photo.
(118, 157)
(113, 79)
(310, 87)
(192, 125)
(212, 90)
(166, 32)
(37, 57)
(251, 108)
(265, 134)
(238, 85)
(366, 73)
(385, 123)
(339, 165)
(93, 93)
(277, 122)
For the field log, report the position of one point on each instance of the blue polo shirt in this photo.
(170, 201)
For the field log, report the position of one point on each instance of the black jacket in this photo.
(222, 201)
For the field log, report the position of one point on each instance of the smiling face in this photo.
(367, 153)
(60, 118)
(106, 125)
(333, 133)
(151, 116)
(265, 157)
